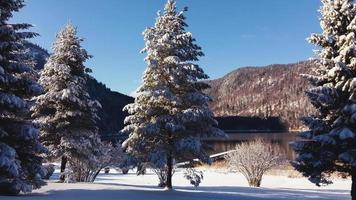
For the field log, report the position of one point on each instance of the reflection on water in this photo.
(280, 139)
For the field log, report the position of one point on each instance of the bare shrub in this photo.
(86, 170)
(253, 159)
(162, 175)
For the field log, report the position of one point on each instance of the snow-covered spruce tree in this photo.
(170, 116)
(20, 149)
(65, 112)
(330, 144)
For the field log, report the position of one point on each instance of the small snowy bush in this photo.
(194, 176)
(253, 159)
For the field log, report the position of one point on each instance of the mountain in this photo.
(111, 114)
(271, 91)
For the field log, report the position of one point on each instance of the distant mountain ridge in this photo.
(111, 114)
(270, 91)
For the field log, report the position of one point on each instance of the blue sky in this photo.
(232, 33)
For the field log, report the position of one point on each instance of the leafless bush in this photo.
(88, 170)
(253, 159)
(162, 175)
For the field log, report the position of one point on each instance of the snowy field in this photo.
(215, 186)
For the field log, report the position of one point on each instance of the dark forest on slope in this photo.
(275, 90)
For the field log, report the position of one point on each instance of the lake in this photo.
(282, 139)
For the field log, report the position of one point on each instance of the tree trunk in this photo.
(255, 182)
(63, 168)
(95, 175)
(353, 178)
(169, 171)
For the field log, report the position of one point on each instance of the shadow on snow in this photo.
(142, 192)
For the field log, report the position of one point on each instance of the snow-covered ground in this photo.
(215, 186)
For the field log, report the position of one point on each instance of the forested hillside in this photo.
(275, 90)
(111, 115)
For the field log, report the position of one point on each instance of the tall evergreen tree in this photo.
(170, 116)
(66, 113)
(330, 144)
(20, 149)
